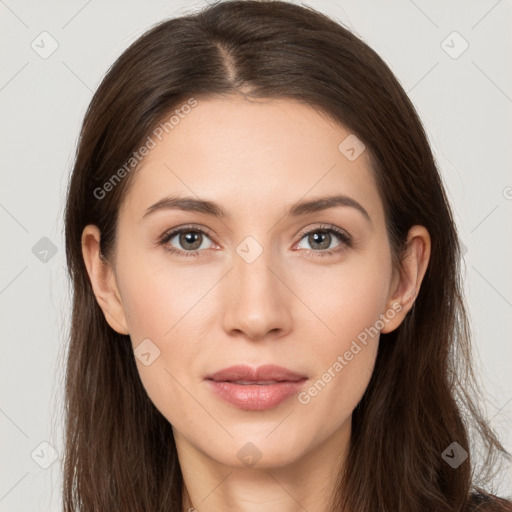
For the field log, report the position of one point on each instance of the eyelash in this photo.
(345, 239)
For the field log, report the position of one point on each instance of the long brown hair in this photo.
(120, 452)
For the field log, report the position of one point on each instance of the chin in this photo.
(260, 450)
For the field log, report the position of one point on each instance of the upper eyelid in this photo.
(179, 229)
(325, 227)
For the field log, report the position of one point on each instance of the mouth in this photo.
(254, 382)
(255, 389)
(265, 374)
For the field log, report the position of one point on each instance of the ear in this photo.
(103, 280)
(407, 279)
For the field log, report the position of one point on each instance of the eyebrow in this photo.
(191, 204)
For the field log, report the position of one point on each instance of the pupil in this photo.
(318, 237)
(191, 238)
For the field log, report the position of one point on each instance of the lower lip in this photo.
(256, 397)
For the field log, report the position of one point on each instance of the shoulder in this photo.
(484, 502)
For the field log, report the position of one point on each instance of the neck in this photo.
(305, 483)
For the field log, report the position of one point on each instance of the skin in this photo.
(289, 307)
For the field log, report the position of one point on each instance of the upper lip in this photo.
(261, 373)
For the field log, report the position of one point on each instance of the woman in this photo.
(268, 312)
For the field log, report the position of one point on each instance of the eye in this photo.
(321, 238)
(189, 239)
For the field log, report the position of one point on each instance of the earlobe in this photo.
(103, 280)
(408, 278)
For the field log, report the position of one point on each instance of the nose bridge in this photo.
(252, 270)
(257, 302)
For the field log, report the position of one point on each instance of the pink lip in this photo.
(255, 397)
(264, 372)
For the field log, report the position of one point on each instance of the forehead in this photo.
(252, 155)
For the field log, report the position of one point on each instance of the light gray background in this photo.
(465, 104)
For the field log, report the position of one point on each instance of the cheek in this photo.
(349, 297)
(161, 305)
(349, 301)
(167, 305)
(158, 296)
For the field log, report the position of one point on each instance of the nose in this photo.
(257, 300)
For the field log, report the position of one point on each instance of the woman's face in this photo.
(263, 285)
